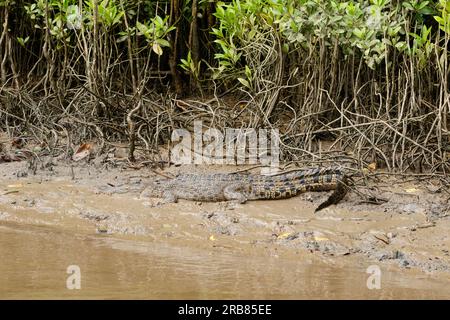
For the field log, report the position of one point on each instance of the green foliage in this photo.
(6, 3)
(61, 17)
(22, 41)
(108, 13)
(370, 29)
(66, 15)
(444, 16)
(189, 66)
(155, 32)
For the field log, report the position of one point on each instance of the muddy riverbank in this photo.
(128, 246)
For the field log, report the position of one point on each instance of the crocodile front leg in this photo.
(167, 196)
(170, 197)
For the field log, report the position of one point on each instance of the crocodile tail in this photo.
(338, 194)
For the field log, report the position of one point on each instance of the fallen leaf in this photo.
(19, 185)
(411, 190)
(284, 235)
(212, 238)
(372, 167)
(83, 151)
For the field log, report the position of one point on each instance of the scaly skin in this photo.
(243, 187)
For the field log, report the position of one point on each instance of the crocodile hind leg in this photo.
(235, 192)
(338, 194)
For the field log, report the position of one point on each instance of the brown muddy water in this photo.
(131, 248)
(35, 261)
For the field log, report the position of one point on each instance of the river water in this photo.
(35, 259)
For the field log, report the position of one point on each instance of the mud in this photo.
(129, 246)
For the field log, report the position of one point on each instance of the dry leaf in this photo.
(284, 235)
(157, 49)
(19, 185)
(372, 167)
(321, 239)
(83, 151)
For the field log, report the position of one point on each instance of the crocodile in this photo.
(214, 187)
